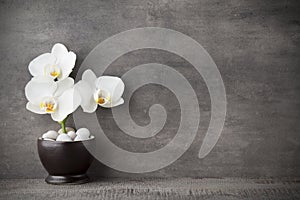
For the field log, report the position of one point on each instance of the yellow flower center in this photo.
(101, 97)
(54, 73)
(48, 105)
(100, 100)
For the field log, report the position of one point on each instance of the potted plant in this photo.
(63, 153)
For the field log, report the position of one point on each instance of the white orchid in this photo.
(105, 91)
(56, 98)
(52, 91)
(57, 65)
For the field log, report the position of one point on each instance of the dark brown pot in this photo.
(66, 162)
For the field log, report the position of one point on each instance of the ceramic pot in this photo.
(66, 162)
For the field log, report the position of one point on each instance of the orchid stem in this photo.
(63, 125)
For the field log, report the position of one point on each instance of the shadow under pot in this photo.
(66, 162)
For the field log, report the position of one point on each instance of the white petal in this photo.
(113, 85)
(64, 85)
(90, 77)
(66, 64)
(68, 102)
(88, 103)
(34, 108)
(38, 88)
(59, 51)
(113, 104)
(42, 79)
(37, 66)
(120, 102)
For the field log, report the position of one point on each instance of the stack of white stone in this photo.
(71, 135)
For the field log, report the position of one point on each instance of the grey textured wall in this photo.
(255, 45)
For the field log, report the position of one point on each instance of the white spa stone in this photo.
(83, 133)
(72, 134)
(78, 138)
(50, 135)
(68, 129)
(63, 138)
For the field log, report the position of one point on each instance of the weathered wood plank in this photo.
(183, 188)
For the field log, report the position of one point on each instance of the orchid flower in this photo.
(57, 65)
(56, 98)
(105, 91)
